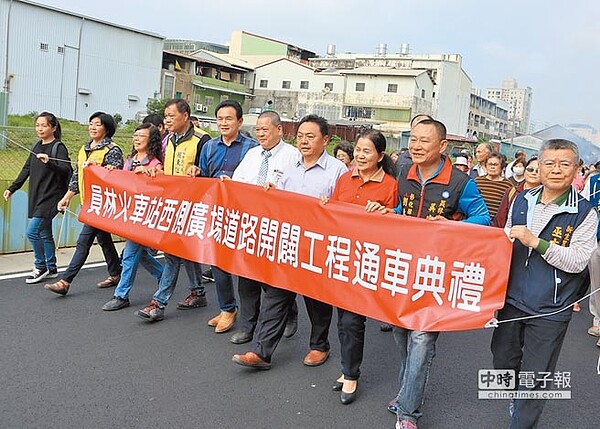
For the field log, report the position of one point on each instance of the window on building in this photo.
(286, 84)
(224, 97)
(168, 87)
(392, 87)
(328, 85)
(433, 95)
(360, 87)
(422, 93)
(263, 83)
(43, 47)
(209, 100)
(303, 84)
(358, 112)
(61, 50)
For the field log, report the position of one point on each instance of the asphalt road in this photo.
(67, 364)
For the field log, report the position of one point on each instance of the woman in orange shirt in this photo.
(370, 183)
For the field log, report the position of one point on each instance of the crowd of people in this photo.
(546, 205)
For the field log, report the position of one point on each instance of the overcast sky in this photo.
(549, 45)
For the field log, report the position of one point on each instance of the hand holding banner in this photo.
(419, 274)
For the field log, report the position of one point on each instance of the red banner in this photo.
(419, 274)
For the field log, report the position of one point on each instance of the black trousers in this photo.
(250, 292)
(351, 332)
(527, 345)
(276, 305)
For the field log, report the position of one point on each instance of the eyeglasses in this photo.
(531, 170)
(563, 165)
(139, 135)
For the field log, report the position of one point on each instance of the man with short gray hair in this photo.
(482, 153)
(554, 233)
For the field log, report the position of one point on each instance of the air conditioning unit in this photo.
(204, 109)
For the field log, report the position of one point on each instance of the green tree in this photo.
(156, 106)
(118, 118)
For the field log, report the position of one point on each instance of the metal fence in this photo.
(15, 143)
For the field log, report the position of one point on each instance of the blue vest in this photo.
(534, 286)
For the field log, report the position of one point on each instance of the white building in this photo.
(488, 118)
(73, 65)
(519, 100)
(451, 91)
(294, 89)
(386, 96)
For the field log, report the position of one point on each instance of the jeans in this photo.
(168, 280)
(225, 294)
(133, 255)
(531, 345)
(417, 350)
(84, 244)
(39, 233)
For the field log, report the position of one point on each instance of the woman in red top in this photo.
(371, 182)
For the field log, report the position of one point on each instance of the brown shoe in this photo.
(61, 287)
(315, 358)
(226, 321)
(215, 320)
(109, 282)
(251, 360)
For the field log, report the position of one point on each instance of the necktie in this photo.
(264, 168)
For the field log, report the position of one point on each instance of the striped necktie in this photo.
(264, 168)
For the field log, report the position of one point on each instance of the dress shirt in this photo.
(318, 180)
(282, 157)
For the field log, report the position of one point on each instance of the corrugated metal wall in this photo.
(74, 66)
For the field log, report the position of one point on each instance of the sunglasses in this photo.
(531, 170)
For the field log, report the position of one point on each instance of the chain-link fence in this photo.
(15, 143)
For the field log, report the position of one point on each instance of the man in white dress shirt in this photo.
(262, 164)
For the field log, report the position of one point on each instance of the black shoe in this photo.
(337, 386)
(37, 276)
(116, 303)
(290, 328)
(348, 397)
(241, 337)
(385, 327)
(207, 276)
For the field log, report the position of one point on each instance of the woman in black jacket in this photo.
(48, 168)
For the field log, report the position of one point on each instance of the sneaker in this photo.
(207, 276)
(37, 276)
(52, 274)
(151, 313)
(405, 424)
(193, 300)
(116, 303)
(392, 408)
